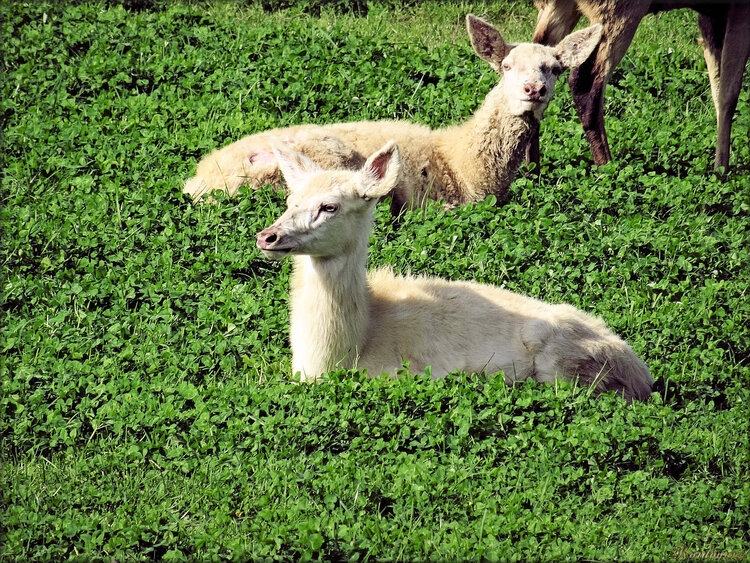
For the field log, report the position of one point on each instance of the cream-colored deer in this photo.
(341, 317)
(460, 164)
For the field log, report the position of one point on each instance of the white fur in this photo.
(458, 165)
(343, 318)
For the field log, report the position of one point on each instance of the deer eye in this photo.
(329, 208)
(506, 67)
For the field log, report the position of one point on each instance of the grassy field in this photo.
(146, 405)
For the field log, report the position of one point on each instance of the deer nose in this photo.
(535, 89)
(267, 237)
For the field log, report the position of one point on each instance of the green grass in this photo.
(146, 405)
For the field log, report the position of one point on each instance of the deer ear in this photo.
(487, 41)
(574, 49)
(294, 166)
(381, 172)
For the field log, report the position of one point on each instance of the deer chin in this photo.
(537, 106)
(522, 106)
(276, 253)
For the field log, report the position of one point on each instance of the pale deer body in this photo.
(343, 318)
(460, 164)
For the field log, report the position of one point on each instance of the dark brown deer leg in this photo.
(725, 33)
(588, 81)
(555, 20)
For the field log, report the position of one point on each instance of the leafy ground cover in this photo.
(146, 405)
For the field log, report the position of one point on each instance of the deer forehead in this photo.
(324, 187)
(531, 56)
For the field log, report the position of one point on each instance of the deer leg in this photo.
(712, 28)
(588, 81)
(555, 20)
(726, 46)
(587, 86)
(532, 151)
(733, 58)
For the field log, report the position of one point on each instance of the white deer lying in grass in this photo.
(343, 318)
(458, 164)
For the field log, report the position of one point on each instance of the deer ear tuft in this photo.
(487, 41)
(295, 167)
(575, 48)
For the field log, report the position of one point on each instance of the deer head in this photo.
(530, 71)
(328, 212)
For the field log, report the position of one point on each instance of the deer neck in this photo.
(486, 150)
(329, 303)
